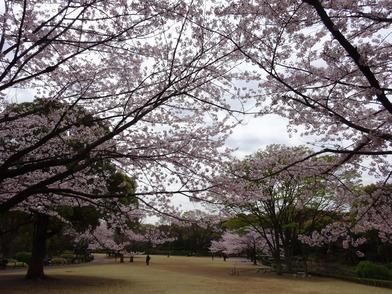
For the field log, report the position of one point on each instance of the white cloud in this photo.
(259, 132)
(19, 95)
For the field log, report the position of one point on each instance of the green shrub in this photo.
(69, 256)
(23, 257)
(371, 270)
(19, 264)
(59, 261)
(15, 263)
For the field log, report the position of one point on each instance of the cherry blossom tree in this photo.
(248, 240)
(229, 244)
(107, 238)
(152, 87)
(144, 70)
(193, 233)
(325, 66)
(158, 75)
(50, 203)
(281, 202)
(369, 211)
(139, 69)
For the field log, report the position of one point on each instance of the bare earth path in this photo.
(185, 275)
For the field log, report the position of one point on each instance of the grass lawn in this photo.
(185, 275)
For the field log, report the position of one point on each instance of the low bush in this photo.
(67, 255)
(23, 257)
(15, 263)
(18, 264)
(58, 261)
(371, 270)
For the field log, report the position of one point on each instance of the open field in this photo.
(173, 275)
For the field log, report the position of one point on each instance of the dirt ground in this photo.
(173, 275)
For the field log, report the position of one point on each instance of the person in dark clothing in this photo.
(148, 258)
(3, 263)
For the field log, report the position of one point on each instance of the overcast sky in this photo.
(253, 135)
(257, 133)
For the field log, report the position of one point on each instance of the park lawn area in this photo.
(173, 275)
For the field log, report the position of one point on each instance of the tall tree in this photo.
(142, 69)
(100, 178)
(247, 240)
(281, 202)
(198, 231)
(368, 219)
(150, 84)
(324, 65)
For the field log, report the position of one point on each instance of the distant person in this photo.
(148, 258)
(3, 263)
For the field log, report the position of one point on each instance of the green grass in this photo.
(173, 275)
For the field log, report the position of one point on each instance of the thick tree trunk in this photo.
(278, 264)
(288, 256)
(276, 252)
(254, 255)
(36, 266)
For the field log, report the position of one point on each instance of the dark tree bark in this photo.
(254, 254)
(36, 266)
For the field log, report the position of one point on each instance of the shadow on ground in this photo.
(16, 284)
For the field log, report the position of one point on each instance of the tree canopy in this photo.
(281, 203)
(135, 69)
(150, 86)
(324, 65)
